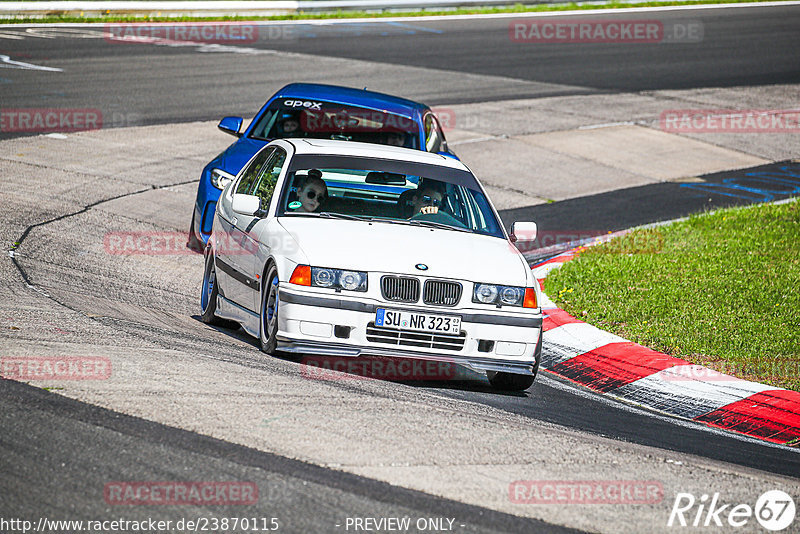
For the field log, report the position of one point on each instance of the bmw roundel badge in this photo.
(421, 267)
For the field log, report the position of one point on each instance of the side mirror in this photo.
(231, 125)
(245, 204)
(523, 231)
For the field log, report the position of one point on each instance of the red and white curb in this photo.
(614, 366)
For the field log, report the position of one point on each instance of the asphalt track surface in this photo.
(142, 84)
(666, 201)
(741, 47)
(65, 437)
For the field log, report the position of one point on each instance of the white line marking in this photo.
(606, 125)
(40, 291)
(201, 47)
(9, 63)
(478, 140)
(12, 35)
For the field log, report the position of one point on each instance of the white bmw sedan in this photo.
(335, 248)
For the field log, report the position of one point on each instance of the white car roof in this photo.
(371, 150)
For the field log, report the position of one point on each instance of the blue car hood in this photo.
(238, 154)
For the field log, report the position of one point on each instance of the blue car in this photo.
(314, 111)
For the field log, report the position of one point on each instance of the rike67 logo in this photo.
(774, 510)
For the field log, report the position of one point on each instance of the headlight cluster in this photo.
(305, 275)
(504, 295)
(338, 278)
(220, 178)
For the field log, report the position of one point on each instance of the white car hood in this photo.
(398, 248)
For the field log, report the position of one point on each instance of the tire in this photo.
(193, 243)
(510, 381)
(514, 382)
(209, 292)
(268, 330)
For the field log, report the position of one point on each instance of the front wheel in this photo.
(269, 312)
(509, 381)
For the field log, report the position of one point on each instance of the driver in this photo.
(290, 126)
(426, 200)
(395, 139)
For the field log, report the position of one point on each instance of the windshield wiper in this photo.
(391, 221)
(330, 215)
(432, 224)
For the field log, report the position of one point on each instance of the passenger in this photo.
(312, 193)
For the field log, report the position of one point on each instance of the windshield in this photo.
(379, 190)
(325, 120)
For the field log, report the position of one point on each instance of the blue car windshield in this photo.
(324, 120)
(375, 190)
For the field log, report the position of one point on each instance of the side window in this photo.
(433, 136)
(265, 185)
(265, 124)
(440, 131)
(253, 171)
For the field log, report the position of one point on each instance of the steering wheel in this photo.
(441, 217)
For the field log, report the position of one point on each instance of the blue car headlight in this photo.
(220, 178)
(338, 279)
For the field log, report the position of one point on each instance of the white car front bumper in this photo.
(312, 322)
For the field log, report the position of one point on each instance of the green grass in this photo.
(517, 8)
(721, 289)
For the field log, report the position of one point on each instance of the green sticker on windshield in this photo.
(294, 205)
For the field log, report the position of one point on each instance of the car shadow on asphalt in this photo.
(419, 374)
(474, 386)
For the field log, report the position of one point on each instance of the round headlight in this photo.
(324, 277)
(350, 280)
(486, 293)
(510, 295)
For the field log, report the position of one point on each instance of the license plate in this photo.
(420, 322)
